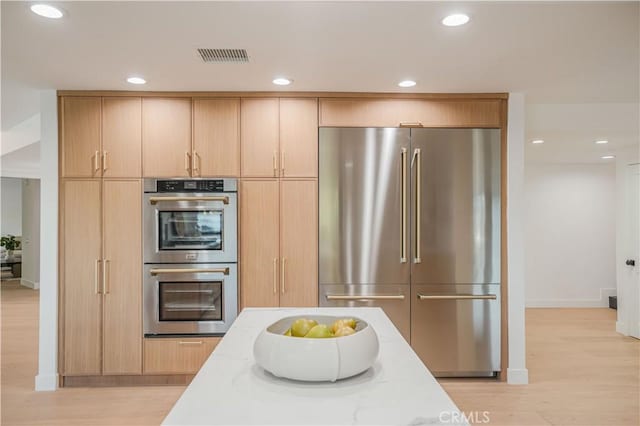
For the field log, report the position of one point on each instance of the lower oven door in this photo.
(190, 298)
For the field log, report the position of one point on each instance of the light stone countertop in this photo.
(230, 389)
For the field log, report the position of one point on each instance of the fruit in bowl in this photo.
(304, 327)
(301, 327)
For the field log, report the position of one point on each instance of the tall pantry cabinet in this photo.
(278, 202)
(101, 239)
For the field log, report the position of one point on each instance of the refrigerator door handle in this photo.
(403, 222)
(364, 297)
(417, 159)
(457, 296)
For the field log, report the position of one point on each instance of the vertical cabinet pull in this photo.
(105, 276)
(187, 162)
(284, 262)
(96, 162)
(104, 161)
(275, 276)
(275, 163)
(96, 276)
(417, 155)
(196, 163)
(282, 163)
(403, 207)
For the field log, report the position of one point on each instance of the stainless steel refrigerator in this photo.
(409, 220)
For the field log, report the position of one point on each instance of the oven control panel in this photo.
(203, 185)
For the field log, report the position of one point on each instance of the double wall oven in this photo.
(190, 256)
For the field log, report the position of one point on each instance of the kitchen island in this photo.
(231, 388)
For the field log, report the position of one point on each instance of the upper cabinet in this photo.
(122, 137)
(259, 138)
(166, 137)
(298, 137)
(378, 112)
(101, 137)
(216, 137)
(279, 137)
(81, 150)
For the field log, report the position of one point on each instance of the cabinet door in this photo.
(177, 356)
(81, 136)
(81, 241)
(122, 277)
(216, 137)
(299, 138)
(259, 137)
(259, 243)
(166, 137)
(299, 243)
(122, 137)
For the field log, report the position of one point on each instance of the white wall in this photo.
(30, 233)
(570, 234)
(11, 220)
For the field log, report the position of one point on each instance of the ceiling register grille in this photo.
(223, 55)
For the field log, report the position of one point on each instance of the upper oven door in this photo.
(190, 228)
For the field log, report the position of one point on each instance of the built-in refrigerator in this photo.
(409, 220)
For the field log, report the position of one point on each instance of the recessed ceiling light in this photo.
(407, 83)
(136, 80)
(281, 81)
(537, 141)
(455, 20)
(608, 157)
(602, 142)
(46, 11)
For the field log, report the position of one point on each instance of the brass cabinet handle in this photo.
(410, 124)
(275, 275)
(105, 277)
(417, 155)
(403, 207)
(96, 276)
(157, 271)
(457, 296)
(104, 161)
(187, 162)
(155, 200)
(96, 162)
(364, 297)
(284, 262)
(196, 163)
(275, 163)
(197, 342)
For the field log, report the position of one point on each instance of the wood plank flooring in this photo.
(581, 373)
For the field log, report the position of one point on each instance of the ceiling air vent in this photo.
(223, 55)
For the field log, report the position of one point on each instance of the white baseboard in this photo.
(621, 328)
(30, 284)
(517, 376)
(46, 382)
(601, 302)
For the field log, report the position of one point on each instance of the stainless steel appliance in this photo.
(190, 255)
(410, 221)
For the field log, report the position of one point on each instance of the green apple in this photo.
(301, 327)
(344, 322)
(319, 331)
(344, 331)
(288, 332)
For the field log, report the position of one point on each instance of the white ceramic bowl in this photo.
(327, 359)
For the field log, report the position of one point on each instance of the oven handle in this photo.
(155, 200)
(156, 271)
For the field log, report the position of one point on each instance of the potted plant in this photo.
(10, 243)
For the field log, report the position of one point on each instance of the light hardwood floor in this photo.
(581, 373)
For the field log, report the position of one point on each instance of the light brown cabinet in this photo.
(177, 356)
(278, 243)
(101, 137)
(279, 137)
(216, 137)
(166, 137)
(101, 277)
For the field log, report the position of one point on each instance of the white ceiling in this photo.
(566, 53)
